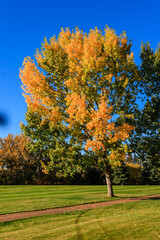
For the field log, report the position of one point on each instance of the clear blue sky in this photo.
(24, 24)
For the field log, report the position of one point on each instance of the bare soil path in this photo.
(21, 215)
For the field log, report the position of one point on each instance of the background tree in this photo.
(87, 86)
(120, 174)
(17, 165)
(146, 140)
(134, 173)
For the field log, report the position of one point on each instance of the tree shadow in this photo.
(78, 229)
(104, 230)
(155, 198)
(77, 221)
(136, 197)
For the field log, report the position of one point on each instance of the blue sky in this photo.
(24, 24)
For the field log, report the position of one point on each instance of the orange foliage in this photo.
(76, 108)
(85, 65)
(38, 94)
(101, 129)
(13, 148)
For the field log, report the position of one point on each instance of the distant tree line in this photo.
(20, 165)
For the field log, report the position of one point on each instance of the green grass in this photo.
(130, 221)
(30, 197)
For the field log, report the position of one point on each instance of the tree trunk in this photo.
(109, 183)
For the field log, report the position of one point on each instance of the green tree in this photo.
(146, 140)
(120, 174)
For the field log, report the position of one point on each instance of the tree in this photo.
(149, 70)
(17, 165)
(120, 174)
(87, 85)
(146, 141)
(134, 173)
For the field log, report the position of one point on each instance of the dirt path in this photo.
(20, 215)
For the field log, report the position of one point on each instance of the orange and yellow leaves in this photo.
(98, 124)
(37, 91)
(102, 130)
(95, 145)
(64, 37)
(121, 133)
(31, 77)
(44, 168)
(78, 57)
(118, 155)
(83, 51)
(34, 82)
(76, 108)
(13, 147)
(135, 165)
(93, 51)
(111, 42)
(74, 46)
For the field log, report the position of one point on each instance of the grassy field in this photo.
(136, 220)
(27, 197)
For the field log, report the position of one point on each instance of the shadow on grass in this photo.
(155, 198)
(78, 229)
(133, 197)
(104, 230)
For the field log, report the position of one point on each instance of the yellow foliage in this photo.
(85, 65)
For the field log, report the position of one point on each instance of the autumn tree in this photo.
(86, 83)
(17, 164)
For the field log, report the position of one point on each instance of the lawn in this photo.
(30, 197)
(135, 220)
